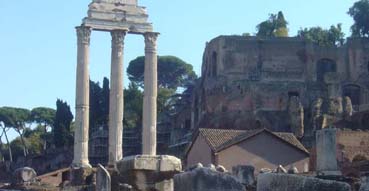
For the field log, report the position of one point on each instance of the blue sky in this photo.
(38, 40)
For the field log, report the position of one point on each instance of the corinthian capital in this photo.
(118, 37)
(150, 40)
(83, 34)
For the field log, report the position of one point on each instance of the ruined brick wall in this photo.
(351, 144)
(247, 82)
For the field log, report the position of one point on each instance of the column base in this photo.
(145, 172)
(80, 176)
(81, 165)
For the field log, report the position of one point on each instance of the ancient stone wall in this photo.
(353, 145)
(253, 80)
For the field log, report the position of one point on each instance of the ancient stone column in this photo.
(150, 94)
(116, 98)
(326, 162)
(82, 99)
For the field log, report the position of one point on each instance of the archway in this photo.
(325, 66)
(353, 92)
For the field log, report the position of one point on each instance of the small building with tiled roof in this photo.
(260, 148)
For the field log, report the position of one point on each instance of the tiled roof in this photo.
(219, 139)
(290, 138)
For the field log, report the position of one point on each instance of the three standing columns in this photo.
(150, 95)
(82, 98)
(116, 98)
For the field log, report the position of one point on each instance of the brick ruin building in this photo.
(282, 84)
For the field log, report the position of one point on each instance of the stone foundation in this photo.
(287, 182)
(206, 179)
(146, 173)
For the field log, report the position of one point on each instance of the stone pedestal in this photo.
(326, 152)
(144, 172)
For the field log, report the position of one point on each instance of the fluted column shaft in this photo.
(116, 98)
(150, 95)
(82, 98)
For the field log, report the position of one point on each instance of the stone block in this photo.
(326, 152)
(103, 180)
(151, 163)
(205, 179)
(143, 172)
(24, 175)
(166, 185)
(289, 182)
(245, 174)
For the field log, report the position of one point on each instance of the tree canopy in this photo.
(360, 13)
(62, 125)
(133, 106)
(17, 118)
(275, 26)
(43, 115)
(323, 37)
(172, 72)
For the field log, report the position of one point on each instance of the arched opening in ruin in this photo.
(325, 66)
(293, 94)
(359, 158)
(353, 92)
(214, 61)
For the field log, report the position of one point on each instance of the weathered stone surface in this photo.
(293, 170)
(24, 175)
(280, 169)
(116, 98)
(163, 163)
(118, 15)
(251, 81)
(326, 152)
(143, 172)
(166, 185)
(205, 179)
(149, 115)
(364, 184)
(198, 165)
(245, 174)
(288, 182)
(265, 170)
(221, 168)
(81, 176)
(103, 180)
(81, 134)
(296, 116)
